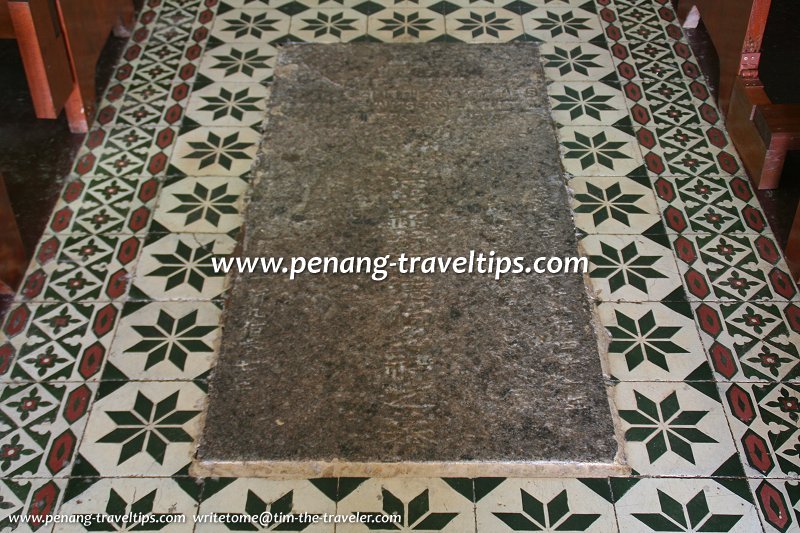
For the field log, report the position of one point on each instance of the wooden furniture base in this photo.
(60, 43)
(12, 252)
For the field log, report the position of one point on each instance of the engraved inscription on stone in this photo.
(375, 149)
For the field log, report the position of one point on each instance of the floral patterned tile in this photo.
(598, 151)
(687, 151)
(36, 498)
(179, 267)
(687, 505)
(778, 504)
(56, 341)
(673, 429)
(121, 152)
(297, 499)
(165, 341)
(40, 425)
(484, 25)
(655, 60)
(586, 103)
(752, 341)
(73, 267)
(201, 205)
(141, 429)
(547, 505)
(632, 268)
(764, 421)
(641, 21)
(156, 497)
(653, 342)
(675, 103)
(103, 205)
(561, 25)
(614, 205)
(406, 25)
(576, 62)
(711, 204)
(733, 267)
(423, 504)
(215, 151)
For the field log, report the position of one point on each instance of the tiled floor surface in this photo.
(105, 354)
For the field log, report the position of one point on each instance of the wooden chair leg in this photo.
(12, 252)
(126, 20)
(793, 247)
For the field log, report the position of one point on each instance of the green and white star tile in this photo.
(484, 25)
(687, 505)
(157, 341)
(120, 496)
(411, 24)
(586, 103)
(673, 429)
(141, 429)
(614, 205)
(598, 151)
(709, 204)
(547, 505)
(240, 26)
(778, 503)
(227, 104)
(215, 151)
(328, 25)
(238, 63)
(653, 341)
(201, 205)
(561, 25)
(423, 504)
(733, 267)
(178, 267)
(75, 267)
(230, 497)
(631, 268)
(751, 341)
(764, 420)
(56, 341)
(576, 62)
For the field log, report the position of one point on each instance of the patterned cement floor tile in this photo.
(74, 267)
(40, 425)
(328, 25)
(764, 420)
(561, 25)
(751, 341)
(653, 342)
(712, 204)
(632, 268)
(423, 504)
(576, 62)
(56, 341)
(238, 63)
(687, 505)
(201, 205)
(141, 429)
(226, 104)
(215, 151)
(249, 26)
(240, 499)
(36, 498)
(484, 25)
(406, 25)
(171, 501)
(547, 505)
(132, 151)
(733, 267)
(179, 267)
(673, 429)
(164, 341)
(586, 103)
(104, 205)
(778, 504)
(614, 205)
(598, 151)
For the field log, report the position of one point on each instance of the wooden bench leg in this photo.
(12, 252)
(76, 112)
(793, 247)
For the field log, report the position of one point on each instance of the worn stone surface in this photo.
(380, 149)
